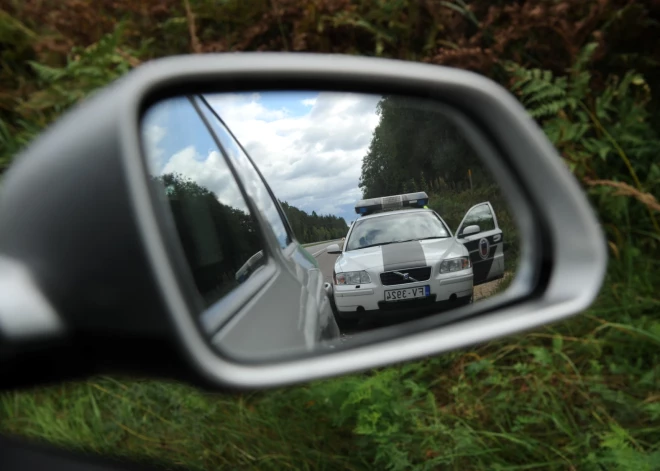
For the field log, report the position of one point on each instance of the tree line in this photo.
(312, 227)
(416, 146)
(218, 239)
(196, 209)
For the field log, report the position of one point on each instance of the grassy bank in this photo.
(582, 394)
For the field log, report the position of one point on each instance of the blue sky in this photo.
(296, 103)
(190, 150)
(308, 145)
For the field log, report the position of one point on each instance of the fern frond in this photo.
(584, 57)
(547, 109)
(45, 73)
(540, 92)
(547, 94)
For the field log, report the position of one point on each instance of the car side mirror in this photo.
(139, 234)
(469, 230)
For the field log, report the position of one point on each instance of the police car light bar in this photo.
(371, 205)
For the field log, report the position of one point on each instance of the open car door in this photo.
(483, 238)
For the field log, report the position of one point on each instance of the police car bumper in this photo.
(444, 291)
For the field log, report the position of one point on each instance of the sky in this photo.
(177, 141)
(308, 145)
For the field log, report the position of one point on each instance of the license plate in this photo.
(407, 293)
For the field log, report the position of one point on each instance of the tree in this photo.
(217, 239)
(312, 227)
(415, 142)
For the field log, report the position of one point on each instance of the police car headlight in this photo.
(353, 278)
(455, 264)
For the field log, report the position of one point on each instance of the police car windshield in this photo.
(399, 227)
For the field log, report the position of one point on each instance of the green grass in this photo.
(174, 423)
(582, 394)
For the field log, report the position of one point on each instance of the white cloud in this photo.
(247, 106)
(153, 135)
(312, 154)
(210, 172)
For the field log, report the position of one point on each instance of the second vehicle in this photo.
(401, 257)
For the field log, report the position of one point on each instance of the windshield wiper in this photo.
(424, 238)
(399, 242)
(376, 245)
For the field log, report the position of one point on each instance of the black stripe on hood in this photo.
(404, 255)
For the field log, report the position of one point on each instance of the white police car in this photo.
(401, 256)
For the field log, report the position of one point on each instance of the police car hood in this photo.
(400, 255)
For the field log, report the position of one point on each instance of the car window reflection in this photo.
(254, 184)
(219, 236)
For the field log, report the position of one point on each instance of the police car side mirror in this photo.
(157, 227)
(469, 230)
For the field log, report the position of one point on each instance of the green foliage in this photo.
(87, 70)
(312, 227)
(581, 395)
(541, 93)
(174, 424)
(15, 46)
(415, 147)
(606, 139)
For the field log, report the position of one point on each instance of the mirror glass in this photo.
(309, 221)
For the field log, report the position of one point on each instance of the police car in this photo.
(401, 256)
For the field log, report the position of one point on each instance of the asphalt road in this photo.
(326, 260)
(317, 249)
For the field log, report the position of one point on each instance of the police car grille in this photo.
(420, 274)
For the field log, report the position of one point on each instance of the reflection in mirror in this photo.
(219, 237)
(310, 219)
